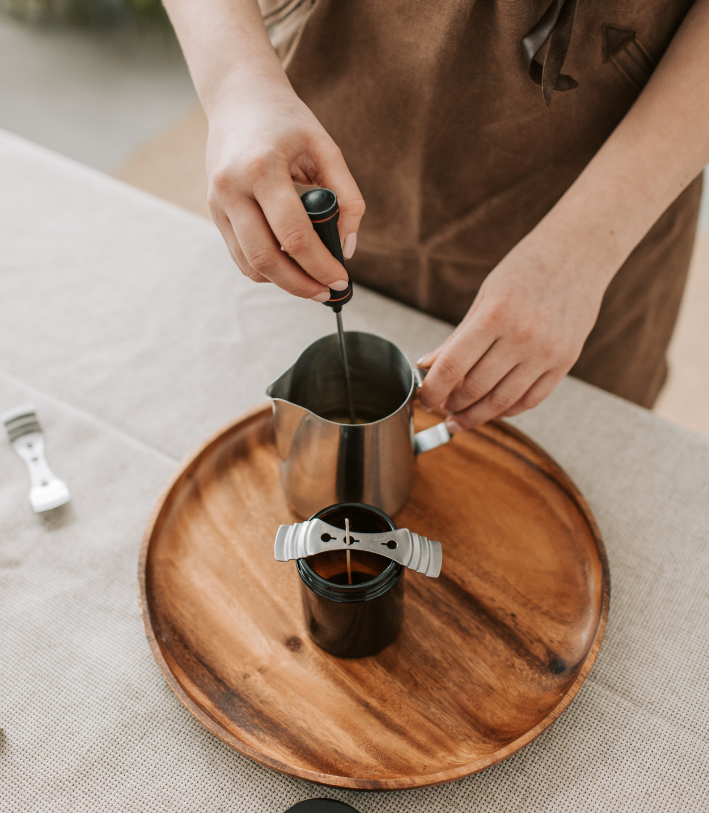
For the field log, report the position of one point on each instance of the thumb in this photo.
(427, 361)
(335, 175)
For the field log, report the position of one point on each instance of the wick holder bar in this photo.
(403, 546)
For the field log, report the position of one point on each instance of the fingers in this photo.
(224, 225)
(453, 360)
(427, 361)
(289, 222)
(336, 176)
(512, 395)
(482, 378)
(257, 209)
(264, 256)
(501, 398)
(541, 388)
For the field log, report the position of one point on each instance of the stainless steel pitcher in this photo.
(323, 459)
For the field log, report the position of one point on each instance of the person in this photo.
(532, 173)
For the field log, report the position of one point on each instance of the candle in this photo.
(353, 600)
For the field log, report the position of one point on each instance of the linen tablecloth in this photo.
(124, 321)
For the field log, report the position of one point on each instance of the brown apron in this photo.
(442, 112)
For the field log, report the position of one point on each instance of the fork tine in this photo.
(21, 421)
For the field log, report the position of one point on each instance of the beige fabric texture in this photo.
(124, 321)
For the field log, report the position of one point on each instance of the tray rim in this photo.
(343, 782)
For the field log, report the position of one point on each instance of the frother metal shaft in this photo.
(345, 367)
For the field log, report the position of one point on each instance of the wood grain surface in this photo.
(489, 655)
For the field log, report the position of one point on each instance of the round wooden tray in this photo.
(490, 653)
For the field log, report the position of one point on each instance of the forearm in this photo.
(661, 145)
(224, 42)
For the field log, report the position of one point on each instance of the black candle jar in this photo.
(358, 619)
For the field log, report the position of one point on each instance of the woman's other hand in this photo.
(532, 315)
(522, 334)
(261, 139)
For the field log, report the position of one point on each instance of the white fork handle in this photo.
(47, 490)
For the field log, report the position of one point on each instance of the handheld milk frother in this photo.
(323, 211)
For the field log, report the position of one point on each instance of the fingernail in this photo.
(339, 285)
(453, 426)
(426, 408)
(425, 361)
(321, 297)
(349, 245)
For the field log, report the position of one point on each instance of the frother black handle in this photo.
(324, 212)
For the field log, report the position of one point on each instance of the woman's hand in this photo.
(261, 139)
(522, 334)
(532, 315)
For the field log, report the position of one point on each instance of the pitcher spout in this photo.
(287, 412)
(280, 388)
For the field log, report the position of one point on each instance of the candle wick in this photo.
(347, 540)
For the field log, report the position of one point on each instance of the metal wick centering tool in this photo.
(323, 211)
(315, 536)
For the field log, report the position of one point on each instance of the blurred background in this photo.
(104, 83)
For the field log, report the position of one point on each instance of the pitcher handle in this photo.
(434, 436)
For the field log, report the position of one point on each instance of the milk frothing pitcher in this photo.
(323, 458)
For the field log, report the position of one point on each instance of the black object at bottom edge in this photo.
(321, 806)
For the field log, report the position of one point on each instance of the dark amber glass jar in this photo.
(358, 619)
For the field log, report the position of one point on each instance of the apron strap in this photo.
(554, 27)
